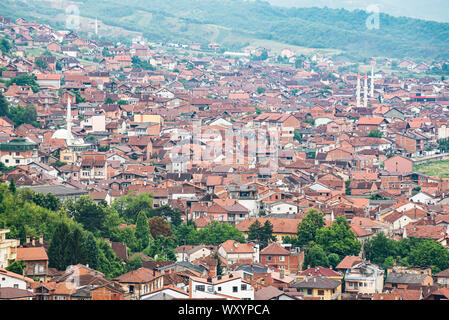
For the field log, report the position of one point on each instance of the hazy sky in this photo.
(437, 10)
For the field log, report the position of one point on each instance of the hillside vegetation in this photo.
(232, 22)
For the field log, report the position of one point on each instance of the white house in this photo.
(364, 278)
(424, 198)
(193, 254)
(234, 252)
(230, 286)
(166, 293)
(397, 220)
(282, 207)
(10, 279)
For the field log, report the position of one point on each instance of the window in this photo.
(269, 258)
(281, 258)
(16, 286)
(309, 291)
(200, 288)
(235, 289)
(243, 287)
(131, 289)
(219, 288)
(321, 292)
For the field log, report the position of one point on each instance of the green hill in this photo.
(234, 22)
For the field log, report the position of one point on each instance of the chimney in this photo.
(33, 242)
(28, 239)
(41, 239)
(281, 274)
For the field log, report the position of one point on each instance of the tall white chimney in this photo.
(372, 81)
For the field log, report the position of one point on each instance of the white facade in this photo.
(233, 287)
(424, 198)
(9, 281)
(282, 207)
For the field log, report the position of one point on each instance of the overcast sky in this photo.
(437, 10)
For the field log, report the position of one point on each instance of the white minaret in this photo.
(69, 119)
(372, 81)
(358, 90)
(96, 26)
(365, 91)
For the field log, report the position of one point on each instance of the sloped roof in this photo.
(31, 254)
(141, 275)
(274, 249)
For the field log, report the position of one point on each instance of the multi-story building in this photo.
(365, 278)
(230, 286)
(19, 151)
(8, 249)
(93, 167)
(277, 257)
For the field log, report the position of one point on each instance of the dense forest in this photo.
(236, 21)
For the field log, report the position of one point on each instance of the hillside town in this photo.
(178, 171)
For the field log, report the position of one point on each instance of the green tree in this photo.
(297, 136)
(58, 254)
(309, 226)
(375, 134)
(12, 186)
(378, 248)
(20, 115)
(216, 233)
(262, 235)
(134, 263)
(142, 231)
(261, 90)
(23, 80)
(314, 257)
(254, 230)
(186, 235)
(339, 239)
(347, 188)
(109, 101)
(17, 267)
(76, 252)
(430, 253)
(5, 46)
(41, 64)
(333, 259)
(4, 106)
(92, 251)
(89, 214)
(130, 206)
(48, 201)
(161, 248)
(108, 262)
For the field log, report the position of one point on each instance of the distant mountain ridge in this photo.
(435, 10)
(234, 22)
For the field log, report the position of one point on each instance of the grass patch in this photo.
(437, 168)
